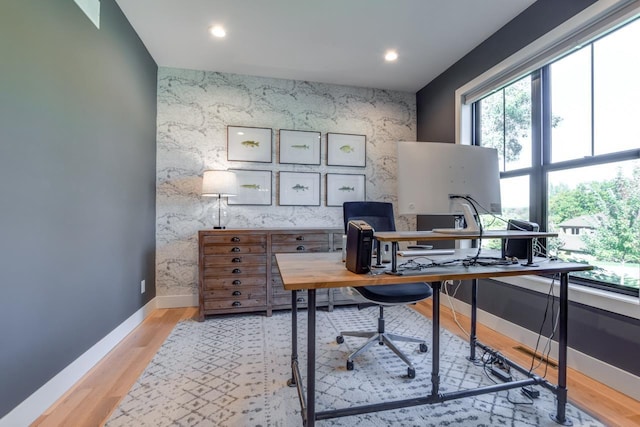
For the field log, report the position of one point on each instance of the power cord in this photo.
(453, 310)
(545, 358)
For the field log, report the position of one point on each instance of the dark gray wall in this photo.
(77, 185)
(609, 337)
(435, 102)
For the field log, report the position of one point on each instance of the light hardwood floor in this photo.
(92, 400)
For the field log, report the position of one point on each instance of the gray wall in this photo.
(609, 337)
(77, 185)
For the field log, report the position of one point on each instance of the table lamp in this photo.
(219, 184)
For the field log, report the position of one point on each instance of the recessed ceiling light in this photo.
(391, 55)
(217, 31)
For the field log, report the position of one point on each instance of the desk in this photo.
(404, 236)
(321, 271)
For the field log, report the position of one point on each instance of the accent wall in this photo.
(194, 110)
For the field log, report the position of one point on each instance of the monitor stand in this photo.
(469, 219)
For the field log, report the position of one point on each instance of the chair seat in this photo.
(396, 294)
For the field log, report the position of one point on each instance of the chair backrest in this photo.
(378, 215)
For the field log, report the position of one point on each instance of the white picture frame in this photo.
(299, 189)
(253, 187)
(346, 150)
(345, 188)
(249, 144)
(299, 147)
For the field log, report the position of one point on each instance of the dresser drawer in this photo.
(239, 282)
(234, 249)
(234, 270)
(238, 272)
(232, 239)
(235, 260)
(301, 247)
(300, 238)
(256, 292)
(239, 304)
(322, 297)
(337, 241)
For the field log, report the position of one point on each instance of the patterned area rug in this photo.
(232, 371)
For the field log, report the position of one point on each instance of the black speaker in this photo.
(359, 246)
(517, 248)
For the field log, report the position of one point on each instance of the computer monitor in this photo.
(436, 178)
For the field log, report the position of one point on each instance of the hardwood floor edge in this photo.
(60, 386)
(610, 407)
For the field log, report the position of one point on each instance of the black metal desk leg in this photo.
(473, 338)
(294, 336)
(311, 359)
(560, 415)
(435, 340)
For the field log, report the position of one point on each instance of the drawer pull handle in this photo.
(300, 248)
(300, 238)
(236, 282)
(235, 239)
(236, 304)
(236, 293)
(236, 271)
(236, 249)
(300, 299)
(236, 260)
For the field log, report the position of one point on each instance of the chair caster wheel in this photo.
(423, 348)
(411, 373)
(349, 365)
(380, 343)
(339, 339)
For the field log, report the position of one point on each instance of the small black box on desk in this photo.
(359, 246)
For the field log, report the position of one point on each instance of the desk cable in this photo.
(547, 347)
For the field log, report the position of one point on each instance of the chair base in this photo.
(381, 338)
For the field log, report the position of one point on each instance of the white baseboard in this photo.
(36, 404)
(612, 376)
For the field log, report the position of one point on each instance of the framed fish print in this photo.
(299, 189)
(345, 188)
(299, 147)
(254, 188)
(249, 144)
(346, 150)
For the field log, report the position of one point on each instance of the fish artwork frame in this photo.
(346, 150)
(345, 188)
(249, 144)
(253, 187)
(300, 147)
(299, 189)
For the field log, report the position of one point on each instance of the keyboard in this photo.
(426, 252)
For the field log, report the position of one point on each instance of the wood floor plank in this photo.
(93, 399)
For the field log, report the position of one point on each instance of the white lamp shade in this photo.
(219, 183)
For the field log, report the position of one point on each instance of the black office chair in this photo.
(379, 215)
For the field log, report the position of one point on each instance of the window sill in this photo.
(616, 303)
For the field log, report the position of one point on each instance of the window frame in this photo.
(535, 59)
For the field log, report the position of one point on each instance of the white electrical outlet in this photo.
(142, 286)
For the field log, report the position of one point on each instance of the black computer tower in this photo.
(517, 248)
(359, 246)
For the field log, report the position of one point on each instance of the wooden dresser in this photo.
(238, 271)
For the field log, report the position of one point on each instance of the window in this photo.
(569, 146)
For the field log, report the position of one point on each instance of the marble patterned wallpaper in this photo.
(194, 109)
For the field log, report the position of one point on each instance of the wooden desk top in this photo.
(400, 236)
(326, 270)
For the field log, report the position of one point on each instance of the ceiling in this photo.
(330, 41)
